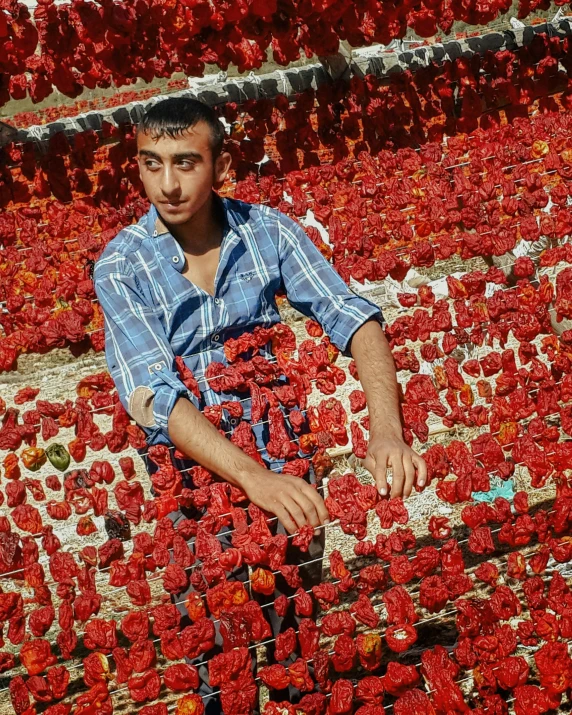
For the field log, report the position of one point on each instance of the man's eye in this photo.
(152, 164)
(186, 164)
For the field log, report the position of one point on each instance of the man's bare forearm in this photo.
(293, 501)
(376, 370)
(386, 447)
(192, 434)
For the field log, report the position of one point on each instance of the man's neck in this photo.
(203, 232)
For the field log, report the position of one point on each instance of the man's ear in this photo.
(221, 169)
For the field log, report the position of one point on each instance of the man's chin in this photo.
(175, 215)
(177, 219)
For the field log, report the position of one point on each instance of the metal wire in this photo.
(419, 623)
(306, 563)
(369, 199)
(324, 526)
(415, 206)
(342, 182)
(228, 432)
(291, 597)
(272, 360)
(272, 519)
(190, 542)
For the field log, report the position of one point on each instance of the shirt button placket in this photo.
(218, 303)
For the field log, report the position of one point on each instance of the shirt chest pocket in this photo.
(252, 295)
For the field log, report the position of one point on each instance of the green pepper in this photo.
(59, 456)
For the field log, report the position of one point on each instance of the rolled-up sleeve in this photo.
(139, 356)
(315, 288)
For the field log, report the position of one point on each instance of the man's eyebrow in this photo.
(176, 157)
(188, 155)
(152, 154)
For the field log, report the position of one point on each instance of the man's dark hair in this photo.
(172, 117)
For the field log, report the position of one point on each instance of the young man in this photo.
(197, 270)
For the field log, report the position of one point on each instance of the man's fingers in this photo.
(396, 464)
(296, 512)
(368, 463)
(307, 506)
(323, 513)
(409, 469)
(419, 462)
(286, 520)
(380, 474)
(319, 505)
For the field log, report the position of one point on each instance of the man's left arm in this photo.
(315, 289)
(386, 448)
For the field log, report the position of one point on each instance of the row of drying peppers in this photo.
(342, 644)
(383, 214)
(71, 46)
(407, 110)
(53, 113)
(204, 564)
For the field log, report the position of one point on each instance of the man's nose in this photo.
(169, 181)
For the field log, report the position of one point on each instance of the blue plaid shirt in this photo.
(153, 313)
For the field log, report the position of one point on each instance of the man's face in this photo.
(179, 174)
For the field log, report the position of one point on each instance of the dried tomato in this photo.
(400, 638)
(100, 633)
(33, 458)
(263, 581)
(274, 676)
(181, 677)
(369, 650)
(342, 697)
(96, 669)
(187, 705)
(19, 695)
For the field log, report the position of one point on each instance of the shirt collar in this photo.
(171, 249)
(156, 227)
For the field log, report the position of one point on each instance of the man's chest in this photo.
(203, 300)
(201, 271)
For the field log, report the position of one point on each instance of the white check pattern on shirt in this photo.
(153, 313)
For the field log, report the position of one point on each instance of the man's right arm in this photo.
(290, 498)
(142, 364)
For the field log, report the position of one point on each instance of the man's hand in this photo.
(291, 499)
(391, 452)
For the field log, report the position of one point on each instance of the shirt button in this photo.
(216, 336)
(233, 421)
(154, 234)
(158, 366)
(175, 259)
(218, 301)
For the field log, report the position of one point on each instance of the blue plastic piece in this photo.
(498, 489)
